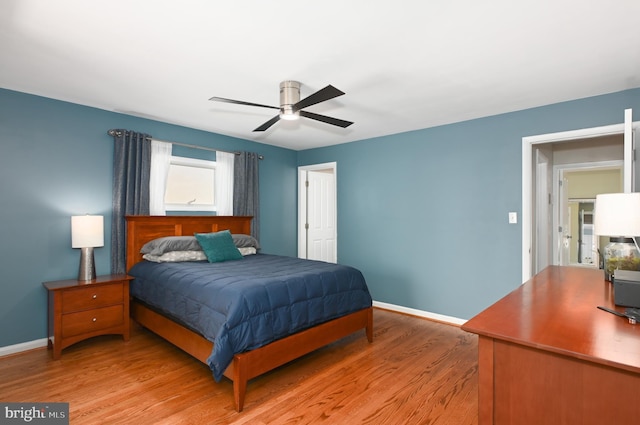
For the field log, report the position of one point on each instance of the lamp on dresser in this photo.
(617, 215)
(87, 232)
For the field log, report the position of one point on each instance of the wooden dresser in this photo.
(79, 310)
(548, 355)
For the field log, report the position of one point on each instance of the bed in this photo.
(257, 357)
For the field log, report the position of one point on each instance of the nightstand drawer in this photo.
(91, 297)
(91, 320)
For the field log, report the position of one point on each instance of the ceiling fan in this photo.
(291, 107)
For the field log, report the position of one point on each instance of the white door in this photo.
(317, 212)
(564, 214)
(629, 144)
(544, 213)
(321, 218)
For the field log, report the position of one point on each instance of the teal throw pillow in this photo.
(218, 246)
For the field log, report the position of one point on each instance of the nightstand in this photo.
(83, 309)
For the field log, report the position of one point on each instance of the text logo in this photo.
(34, 413)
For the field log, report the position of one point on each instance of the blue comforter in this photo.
(244, 304)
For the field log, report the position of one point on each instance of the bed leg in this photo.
(369, 328)
(239, 381)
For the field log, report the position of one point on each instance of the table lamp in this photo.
(87, 232)
(618, 215)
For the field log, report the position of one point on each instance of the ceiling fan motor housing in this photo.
(289, 96)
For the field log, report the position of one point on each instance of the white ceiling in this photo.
(404, 64)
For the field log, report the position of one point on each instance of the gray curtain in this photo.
(131, 173)
(245, 189)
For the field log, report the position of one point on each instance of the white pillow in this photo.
(248, 250)
(179, 256)
(176, 256)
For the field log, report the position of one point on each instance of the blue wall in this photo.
(424, 214)
(56, 161)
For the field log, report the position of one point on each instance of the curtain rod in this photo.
(186, 145)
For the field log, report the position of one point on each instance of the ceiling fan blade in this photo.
(324, 118)
(321, 95)
(268, 124)
(240, 102)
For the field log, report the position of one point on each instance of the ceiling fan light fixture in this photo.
(286, 113)
(289, 117)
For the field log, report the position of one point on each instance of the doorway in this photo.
(575, 192)
(577, 146)
(317, 212)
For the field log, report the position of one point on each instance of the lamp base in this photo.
(87, 265)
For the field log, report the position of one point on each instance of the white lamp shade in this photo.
(617, 214)
(87, 231)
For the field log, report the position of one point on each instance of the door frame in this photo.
(302, 204)
(528, 144)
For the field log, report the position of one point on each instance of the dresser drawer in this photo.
(91, 297)
(92, 320)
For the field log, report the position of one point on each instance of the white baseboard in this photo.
(420, 313)
(23, 346)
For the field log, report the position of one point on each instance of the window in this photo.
(190, 185)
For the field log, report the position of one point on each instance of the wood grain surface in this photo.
(415, 372)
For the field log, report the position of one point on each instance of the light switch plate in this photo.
(513, 217)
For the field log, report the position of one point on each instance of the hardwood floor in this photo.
(415, 372)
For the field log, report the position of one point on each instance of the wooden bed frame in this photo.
(247, 365)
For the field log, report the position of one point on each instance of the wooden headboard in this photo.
(142, 229)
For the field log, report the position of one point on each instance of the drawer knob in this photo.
(94, 319)
(95, 296)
